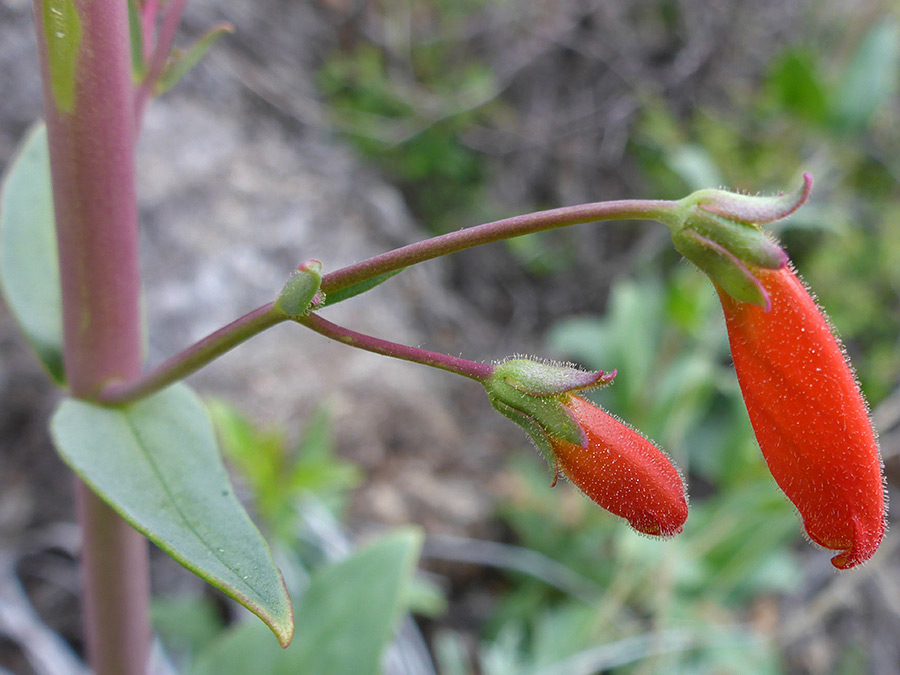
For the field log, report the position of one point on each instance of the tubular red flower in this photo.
(622, 471)
(809, 416)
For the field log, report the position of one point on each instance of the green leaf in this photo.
(346, 617)
(29, 264)
(187, 623)
(136, 39)
(356, 289)
(179, 65)
(156, 463)
(871, 77)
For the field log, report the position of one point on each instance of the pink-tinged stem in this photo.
(199, 354)
(86, 76)
(516, 226)
(149, 13)
(161, 51)
(471, 369)
(194, 357)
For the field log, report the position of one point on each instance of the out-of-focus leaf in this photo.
(29, 264)
(180, 64)
(583, 339)
(277, 474)
(870, 79)
(797, 86)
(345, 618)
(694, 166)
(426, 598)
(156, 463)
(635, 320)
(186, 623)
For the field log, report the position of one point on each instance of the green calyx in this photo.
(719, 232)
(534, 395)
(301, 293)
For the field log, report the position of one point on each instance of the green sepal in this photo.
(746, 241)
(548, 379)
(537, 435)
(300, 293)
(719, 232)
(754, 209)
(549, 413)
(722, 267)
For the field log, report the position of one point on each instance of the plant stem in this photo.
(163, 46)
(194, 357)
(206, 350)
(452, 242)
(471, 369)
(88, 106)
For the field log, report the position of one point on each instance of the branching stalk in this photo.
(214, 345)
(194, 357)
(453, 364)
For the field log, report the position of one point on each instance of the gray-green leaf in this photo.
(156, 463)
(29, 265)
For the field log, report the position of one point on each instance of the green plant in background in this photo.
(279, 476)
(410, 123)
(356, 595)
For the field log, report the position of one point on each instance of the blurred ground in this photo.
(242, 178)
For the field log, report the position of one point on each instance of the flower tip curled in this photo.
(858, 541)
(809, 416)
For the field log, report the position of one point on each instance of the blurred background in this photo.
(339, 128)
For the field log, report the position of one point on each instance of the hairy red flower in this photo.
(809, 416)
(622, 471)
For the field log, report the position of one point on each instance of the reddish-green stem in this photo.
(453, 364)
(162, 47)
(194, 357)
(149, 11)
(199, 354)
(516, 226)
(86, 74)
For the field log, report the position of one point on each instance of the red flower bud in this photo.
(809, 416)
(622, 471)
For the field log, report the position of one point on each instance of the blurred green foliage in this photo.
(347, 602)
(407, 113)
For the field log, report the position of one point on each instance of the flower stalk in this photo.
(452, 364)
(287, 306)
